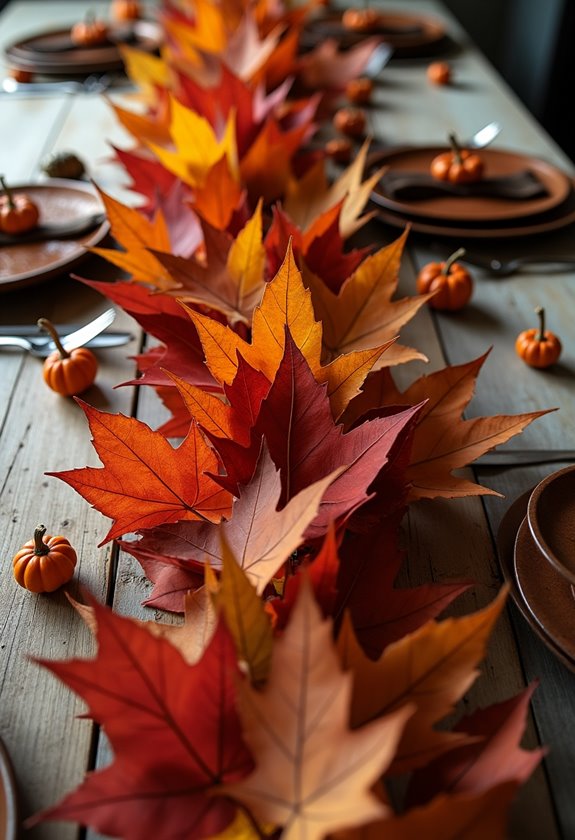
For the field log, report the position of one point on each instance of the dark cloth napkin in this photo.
(418, 186)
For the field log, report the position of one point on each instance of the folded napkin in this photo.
(417, 186)
(54, 231)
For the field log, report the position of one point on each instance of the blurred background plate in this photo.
(59, 201)
(51, 52)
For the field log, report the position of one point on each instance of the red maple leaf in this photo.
(173, 728)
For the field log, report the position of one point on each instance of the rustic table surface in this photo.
(50, 747)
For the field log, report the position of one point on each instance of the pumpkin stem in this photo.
(8, 192)
(47, 325)
(455, 147)
(541, 334)
(450, 260)
(40, 546)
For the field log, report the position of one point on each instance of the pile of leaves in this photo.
(302, 683)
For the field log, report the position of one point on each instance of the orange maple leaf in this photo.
(432, 668)
(312, 774)
(145, 481)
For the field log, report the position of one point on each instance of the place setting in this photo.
(536, 546)
(466, 190)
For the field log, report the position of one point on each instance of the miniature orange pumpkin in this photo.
(339, 149)
(20, 75)
(350, 121)
(452, 283)
(43, 565)
(360, 20)
(18, 213)
(68, 372)
(359, 90)
(125, 10)
(89, 32)
(439, 72)
(539, 348)
(459, 166)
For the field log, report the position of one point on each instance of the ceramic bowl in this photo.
(551, 518)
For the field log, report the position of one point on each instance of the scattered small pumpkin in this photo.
(439, 73)
(350, 121)
(44, 564)
(64, 165)
(125, 10)
(360, 20)
(20, 75)
(90, 32)
(18, 213)
(339, 149)
(67, 372)
(538, 347)
(451, 281)
(359, 91)
(459, 166)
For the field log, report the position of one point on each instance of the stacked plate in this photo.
(536, 543)
(53, 52)
(481, 213)
(410, 35)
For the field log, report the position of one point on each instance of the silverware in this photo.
(483, 137)
(504, 268)
(91, 84)
(524, 457)
(379, 58)
(42, 346)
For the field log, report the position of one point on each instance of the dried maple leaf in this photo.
(363, 314)
(328, 67)
(285, 303)
(312, 774)
(260, 536)
(443, 441)
(219, 195)
(174, 747)
(148, 176)
(246, 51)
(456, 817)
(232, 279)
(145, 481)
(494, 759)
(432, 668)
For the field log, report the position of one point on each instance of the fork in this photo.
(43, 346)
(91, 84)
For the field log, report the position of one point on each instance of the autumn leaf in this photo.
(246, 51)
(328, 67)
(260, 536)
(174, 748)
(136, 234)
(232, 278)
(265, 168)
(431, 668)
(312, 774)
(145, 481)
(495, 758)
(362, 314)
(248, 622)
(451, 817)
(443, 441)
(219, 195)
(148, 176)
(206, 31)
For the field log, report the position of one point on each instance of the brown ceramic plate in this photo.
(8, 798)
(551, 518)
(51, 52)
(555, 219)
(532, 580)
(59, 201)
(476, 209)
(408, 34)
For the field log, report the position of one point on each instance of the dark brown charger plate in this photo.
(542, 596)
(39, 53)
(59, 201)
(409, 34)
(8, 798)
(476, 209)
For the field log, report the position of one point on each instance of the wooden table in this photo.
(40, 431)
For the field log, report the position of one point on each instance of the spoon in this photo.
(483, 137)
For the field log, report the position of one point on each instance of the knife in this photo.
(107, 339)
(524, 457)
